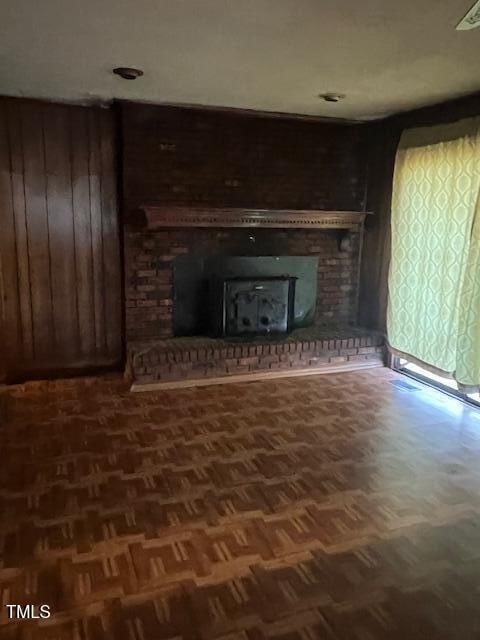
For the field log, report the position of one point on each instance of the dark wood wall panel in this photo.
(82, 230)
(8, 258)
(37, 228)
(61, 298)
(96, 230)
(56, 132)
(19, 240)
(109, 230)
(373, 295)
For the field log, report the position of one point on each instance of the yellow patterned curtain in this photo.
(434, 279)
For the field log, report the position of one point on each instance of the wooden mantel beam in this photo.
(153, 216)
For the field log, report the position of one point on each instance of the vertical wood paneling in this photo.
(94, 162)
(61, 230)
(83, 230)
(60, 255)
(374, 267)
(35, 185)
(13, 123)
(11, 326)
(110, 235)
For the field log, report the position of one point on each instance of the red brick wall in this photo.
(187, 156)
(149, 271)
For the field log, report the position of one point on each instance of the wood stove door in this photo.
(257, 307)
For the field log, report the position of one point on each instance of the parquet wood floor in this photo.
(333, 507)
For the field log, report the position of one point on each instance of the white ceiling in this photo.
(272, 55)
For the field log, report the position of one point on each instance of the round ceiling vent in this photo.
(332, 97)
(128, 73)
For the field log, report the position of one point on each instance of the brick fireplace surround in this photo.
(214, 158)
(156, 357)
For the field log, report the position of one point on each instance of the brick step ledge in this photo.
(255, 376)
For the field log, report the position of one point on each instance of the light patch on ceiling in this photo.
(471, 20)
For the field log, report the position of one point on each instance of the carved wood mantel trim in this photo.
(160, 217)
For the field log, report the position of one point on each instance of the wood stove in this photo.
(252, 306)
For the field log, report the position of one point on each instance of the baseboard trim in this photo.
(252, 377)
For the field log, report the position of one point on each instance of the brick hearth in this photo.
(198, 359)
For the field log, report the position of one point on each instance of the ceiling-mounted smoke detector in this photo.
(471, 20)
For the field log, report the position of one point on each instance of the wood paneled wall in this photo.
(60, 252)
(373, 295)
